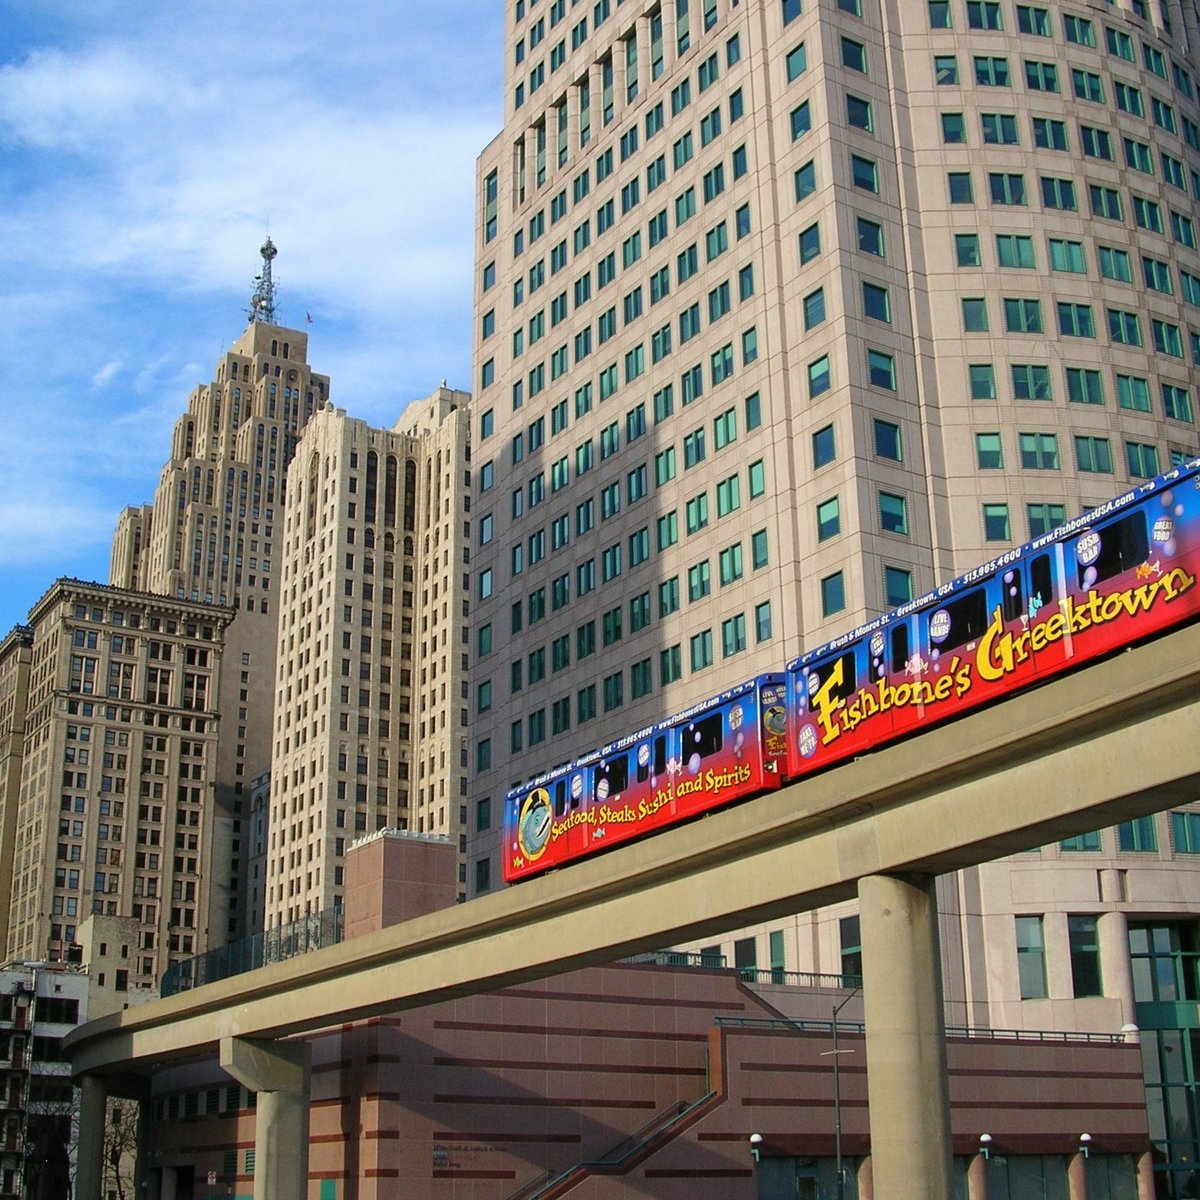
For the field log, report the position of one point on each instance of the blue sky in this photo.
(145, 151)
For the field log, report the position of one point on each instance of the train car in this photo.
(1108, 579)
(722, 750)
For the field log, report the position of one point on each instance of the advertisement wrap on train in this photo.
(1109, 579)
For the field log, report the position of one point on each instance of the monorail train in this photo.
(1113, 577)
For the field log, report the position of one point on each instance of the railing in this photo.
(759, 975)
(612, 1161)
(677, 958)
(784, 1024)
(804, 979)
(248, 954)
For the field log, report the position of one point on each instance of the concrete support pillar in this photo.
(977, 1178)
(279, 1073)
(866, 1180)
(1116, 967)
(907, 1088)
(141, 1169)
(89, 1163)
(1145, 1176)
(1077, 1177)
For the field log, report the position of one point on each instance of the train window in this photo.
(655, 759)
(962, 620)
(703, 738)
(1012, 596)
(840, 689)
(1041, 581)
(1123, 544)
(611, 778)
(901, 652)
(560, 798)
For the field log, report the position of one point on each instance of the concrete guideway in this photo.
(1112, 741)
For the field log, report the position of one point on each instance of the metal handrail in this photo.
(611, 1161)
(791, 1025)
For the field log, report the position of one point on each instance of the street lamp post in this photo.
(837, 1095)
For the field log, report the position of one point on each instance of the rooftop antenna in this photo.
(262, 303)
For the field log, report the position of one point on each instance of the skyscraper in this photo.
(114, 812)
(369, 706)
(212, 537)
(786, 311)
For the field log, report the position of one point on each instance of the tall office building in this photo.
(369, 725)
(787, 310)
(16, 652)
(113, 801)
(212, 537)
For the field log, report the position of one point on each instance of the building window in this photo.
(1137, 836)
(893, 513)
(1093, 454)
(887, 440)
(1084, 941)
(974, 315)
(1044, 517)
(1185, 832)
(897, 586)
(989, 452)
(1142, 460)
(995, 523)
(1039, 451)
(483, 874)
(833, 594)
(1031, 958)
(829, 519)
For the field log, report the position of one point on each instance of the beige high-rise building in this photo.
(786, 311)
(212, 536)
(16, 652)
(370, 703)
(114, 801)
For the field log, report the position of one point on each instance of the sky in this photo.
(146, 150)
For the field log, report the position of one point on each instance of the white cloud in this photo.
(107, 373)
(147, 150)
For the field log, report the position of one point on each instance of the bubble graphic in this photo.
(643, 755)
(939, 625)
(1164, 528)
(694, 765)
(1179, 510)
(808, 741)
(1089, 577)
(1087, 549)
(877, 644)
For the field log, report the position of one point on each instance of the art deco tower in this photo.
(213, 536)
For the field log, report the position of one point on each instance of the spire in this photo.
(262, 303)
